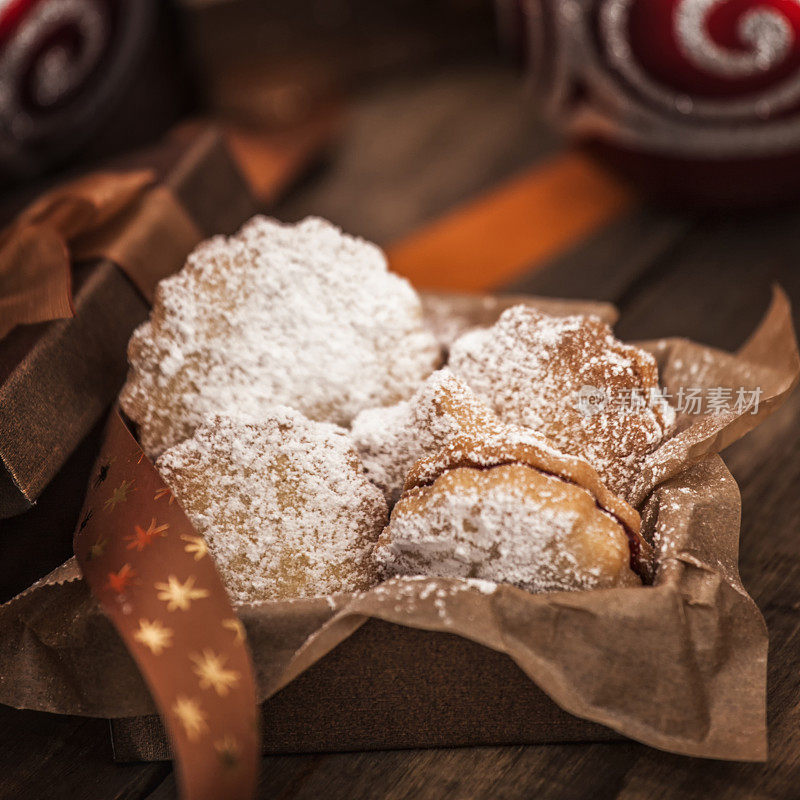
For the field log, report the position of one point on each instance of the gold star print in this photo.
(141, 537)
(119, 495)
(197, 545)
(179, 595)
(228, 750)
(236, 627)
(164, 492)
(192, 717)
(210, 668)
(154, 635)
(97, 549)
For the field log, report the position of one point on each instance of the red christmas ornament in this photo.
(695, 98)
(63, 65)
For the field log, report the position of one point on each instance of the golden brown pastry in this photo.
(571, 380)
(505, 505)
(283, 503)
(391, 439)
(508, 524)
(300, 315)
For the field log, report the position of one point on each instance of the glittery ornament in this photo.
(63, 65)
(711, 82)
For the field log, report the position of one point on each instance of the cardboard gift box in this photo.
(390, 687)
(58, 377)
(422, 661)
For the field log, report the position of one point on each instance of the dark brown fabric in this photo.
(37, 249)
(71, 372)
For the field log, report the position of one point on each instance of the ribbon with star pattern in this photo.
(155, 579)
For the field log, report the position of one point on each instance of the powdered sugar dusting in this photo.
(530, 368)
(301, 315)
(262, 333)
(283, 503)
(492, 443)
(497, 443)
(389, 440)
(509, 524)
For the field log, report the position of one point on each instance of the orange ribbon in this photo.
(122, 216)
(156, 580)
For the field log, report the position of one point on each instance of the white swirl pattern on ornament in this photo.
(58, 70)
(766, 30)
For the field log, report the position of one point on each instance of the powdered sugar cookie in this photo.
(283, 503)
(570, 379)
(301, 315)
(509, 524)
(389, 440)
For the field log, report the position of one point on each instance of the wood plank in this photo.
(713, 286)
(719, 279)
(611, 263)
(45, 756)
(415, 148)
(490, 772)
(714, 290)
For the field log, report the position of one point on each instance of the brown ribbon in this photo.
(155, 579)
(122, 216)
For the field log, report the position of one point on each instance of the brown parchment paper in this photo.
(679, 665)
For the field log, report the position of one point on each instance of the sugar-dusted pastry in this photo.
(283, 503)
(511, 509)
(511, 444)
(391, 439)
(570, 379)
(508, 524)
(301, 315)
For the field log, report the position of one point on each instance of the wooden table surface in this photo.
(409, 153)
